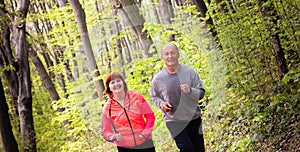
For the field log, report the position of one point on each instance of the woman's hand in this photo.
(142, 137)
(118, 137)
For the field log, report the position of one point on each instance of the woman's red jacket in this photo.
(134, 119)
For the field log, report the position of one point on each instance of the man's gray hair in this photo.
(168, 45)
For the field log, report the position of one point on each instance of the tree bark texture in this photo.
(180, 2)
(154, 12)
(92, 65)
(7, 60)
(271, 19)
(127, 51)
(46, 79)
(61, 3)
(59, 76)
(23, 72)
(201, 7)
(166, 11)
(8, 139)
(135, 21)
(119, 46)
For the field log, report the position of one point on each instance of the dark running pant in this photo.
(188, 135)
(148, 146)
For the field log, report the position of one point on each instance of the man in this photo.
(176, 89)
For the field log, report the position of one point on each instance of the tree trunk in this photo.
(61, 3)
(46, 79)
(154, 13)
(7, 60)
(61, 56)
(8, 139)
(105, 58)
(59, 76)
(76, 71)
(201, 7)
(127, 51)
(133, 19)
(23, 72)
(92, 65)
(180, 2)
(119, 46)
(166, 11)
(271, 19)
(49, 62)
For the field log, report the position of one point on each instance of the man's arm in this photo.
(196, 89)
(156, 95)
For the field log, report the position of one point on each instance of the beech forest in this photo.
(56, 54)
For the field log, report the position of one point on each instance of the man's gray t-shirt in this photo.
(173, 89)
(166, 88)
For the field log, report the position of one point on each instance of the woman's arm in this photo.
(107, 126)
(149, 118)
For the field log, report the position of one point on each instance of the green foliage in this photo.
(139, 75)
(246, 104)
(252, 113)
(49, 134)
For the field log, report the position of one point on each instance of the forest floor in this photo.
(289, 141)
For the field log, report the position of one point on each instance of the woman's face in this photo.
(116, 85)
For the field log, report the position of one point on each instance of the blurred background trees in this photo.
(54, 56)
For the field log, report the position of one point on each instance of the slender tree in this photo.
(127, 50)
(166, 11)
(271, 19)
(135, 21)
(47, 82)
(119, 46)
(92, 65)
(8, 139)
(105, 57)
(154, 11)
(202, 8)
(6, 54)
(23, 72)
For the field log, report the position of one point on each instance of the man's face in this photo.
(170, 56)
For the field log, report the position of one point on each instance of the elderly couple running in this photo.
(127, 119)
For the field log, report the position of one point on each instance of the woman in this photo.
(127, 119)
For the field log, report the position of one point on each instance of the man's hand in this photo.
(186, 88)
(166, 107)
